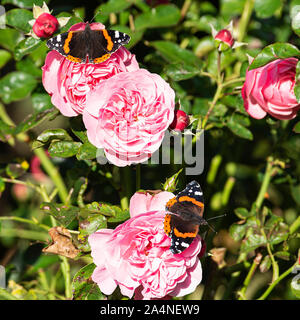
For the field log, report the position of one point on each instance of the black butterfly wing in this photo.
(71, 44)
(181, 232)
(57, 43)
(118, 39)
(189, 203)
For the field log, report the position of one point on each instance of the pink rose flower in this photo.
(181, 121)
(136, 256)
(128, 116)
(45, 25)
(68, 82)
(270, 89)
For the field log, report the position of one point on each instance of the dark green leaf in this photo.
(295, 190)
(35, 119)
(9, 38)
(5, 130)
(173, 53)
(273, 52)
(16, 85)
(253, 242)
(79, 129)
(64, 149)
(87, 151)
(239, 130)
(88, 226)
(2, 185)
(115, 6)
(5, 56)
(242, 213)
(230, 8)
(266, 8)
(161, 16)
(180, 71)
(54, 134)
(25, 3)
(28, 66)
(62, 213)
(284, 255)
(18, 18)
(26, 46)
(41, 102)
(83, 287)
(237, 231)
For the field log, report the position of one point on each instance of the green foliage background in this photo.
(251, 168)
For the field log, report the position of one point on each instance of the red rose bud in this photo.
(225, 36)
(45, 25)
(181, 121)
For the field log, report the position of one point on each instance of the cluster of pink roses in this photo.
(126, 110)
(136, 256)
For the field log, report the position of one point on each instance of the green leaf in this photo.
(28, 66)
(266, 8)
(26, 46)
(83, 288)
(78, 129)
(173, 53)
(64, 149)
(239, 130)
(41, 102)
(115, 6)
(242, 213)
(297, 83)
(284, 255)
(252, 242)
(5, 56)
(295, 283)
(18, 18)
(5, 295)
(88, 226)
(295, 17)
(5, 131)
(50, 135)
(25, 3)
(230, 8)
(16, 85)
(62, 213)
(87, 151)
(180, 71)
(237, 231)
(35, 119)
(295, 191)
(9, 38)
(2, 185)
(161, 16)
(273, 52)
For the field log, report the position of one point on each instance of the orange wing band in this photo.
(185, 235)
(101, 59)
(66, 45)
(167, 227)
(110, 44)
(186, 198)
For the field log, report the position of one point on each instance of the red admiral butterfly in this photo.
(184, 217)
(97, 45)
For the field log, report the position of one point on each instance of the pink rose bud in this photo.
(270, 89)
(181, 121)
(225, 36)
(45, 25)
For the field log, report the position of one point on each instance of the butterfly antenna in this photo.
(96, 14)
(211, 228)
(220, 216)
